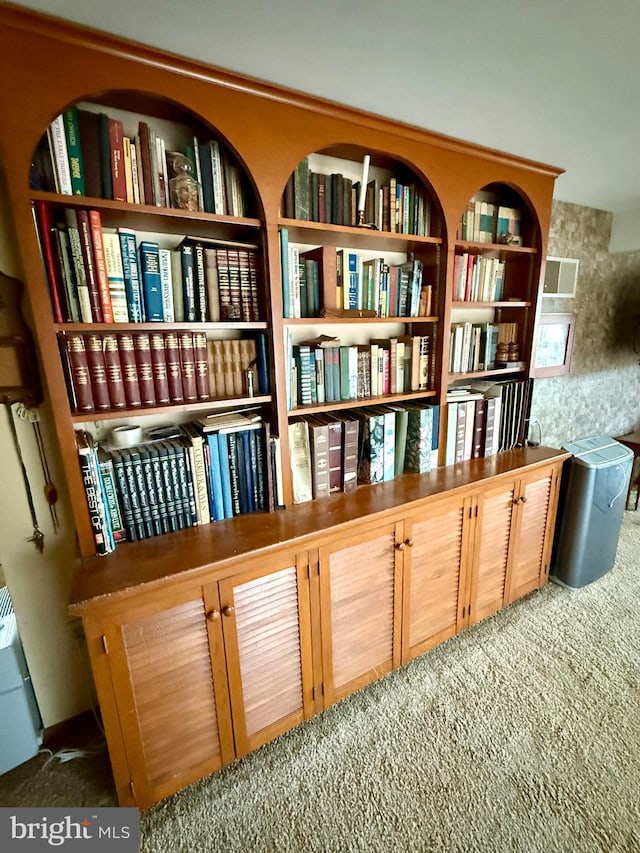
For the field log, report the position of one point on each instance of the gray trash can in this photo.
(592, 501)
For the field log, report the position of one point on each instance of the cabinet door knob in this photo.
(515, 501)
(408, 543)
(400, 546)
(213, 615)
(228, 610)
(523, 499)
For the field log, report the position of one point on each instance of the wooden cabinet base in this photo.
(196, 668)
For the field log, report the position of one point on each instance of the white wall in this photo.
(39, 583)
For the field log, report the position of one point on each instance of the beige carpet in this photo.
(522, 734)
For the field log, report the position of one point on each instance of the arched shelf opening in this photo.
(129, 146)
(501, 214)
(327, 187)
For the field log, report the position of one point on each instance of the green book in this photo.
(74, 151)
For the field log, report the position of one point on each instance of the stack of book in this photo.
(208, 470)
(333, 453)
(132, 370)
(87, 152)
(324, 370)
(484, 418)
(390, 205)
(486, 220)
(477, 278)
(369, 285)
(108, 275)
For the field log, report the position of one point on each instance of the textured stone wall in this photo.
(601, 394)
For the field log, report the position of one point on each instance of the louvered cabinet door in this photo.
(167, 665)
(267, 636)
(494, 518)
(360, 603)
(435, 555)
(536, 507)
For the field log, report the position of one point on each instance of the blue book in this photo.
(287, 303)
(131, 272)
(188, 282)
(354, 294)
(215, 478)
(225, 475)
(151, 280)
(244, 452)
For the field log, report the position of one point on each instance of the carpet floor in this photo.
(520, 734)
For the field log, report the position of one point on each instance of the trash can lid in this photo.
(597, 451)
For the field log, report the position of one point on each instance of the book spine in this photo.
(200, 284)
(113, 370)
(233, 473)
(188, 283)
(60, 155)
(74, 151)
(151, 280)
(82, 289)
(51, 265)
(100, 265)
(142, 351)
(174, 368)
(93, 493)
(319, 446)
(139, 484)
(166, 285)
(97, 372)
(116, 149)
(159, 368)
(115, 277)
(201, 366)
(187, 367)
(225, 475)
(126, 350)
(131, 275)
(224, 284)
(89, 136)
(111, 497)
(158, 484)
(152, 494)
(80, 376)
(169, 485)
(300, 460)
(122, 491)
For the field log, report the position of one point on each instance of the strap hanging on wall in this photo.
(20, 383)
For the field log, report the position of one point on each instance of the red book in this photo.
(174, 368)
(188, 367)
(159, 368)
(97, 372)
(116, 148)
(142, 349)
(95, 223)
(80, 377)
(84, 229)
(129, 371)
(113, 368)
(144, 132)
(201, 360)
(49, 255)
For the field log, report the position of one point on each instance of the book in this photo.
(82, 289)
(166, 285)
(115, 276)
(131, 275)
(79, 373)
(126, 351)
(159, 368)
(174, 367)
(74, 151)
(419, 445)
(300, 460)
(187, 367)
(60, 156)
(319, 450)
(201, 475)
(113, 371)
(97, 372)
(100, 266)
(144, 368)
(371, 456)
(94, 493)
(149, 252)
(45, 230)
(116, 159)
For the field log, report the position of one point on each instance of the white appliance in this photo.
(20, 723)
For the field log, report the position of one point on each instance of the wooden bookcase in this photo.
(205, 585)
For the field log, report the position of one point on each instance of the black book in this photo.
(134, 495)
(139, 483)
(123, 495)
(165, 453)
(152, 493)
